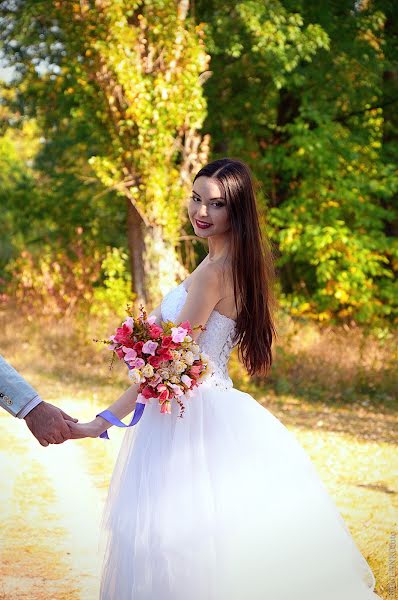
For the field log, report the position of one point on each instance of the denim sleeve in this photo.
(15, 391)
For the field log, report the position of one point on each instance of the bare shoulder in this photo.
(209, 276)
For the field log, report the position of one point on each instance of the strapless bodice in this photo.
(216, 341)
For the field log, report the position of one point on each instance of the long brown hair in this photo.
(252, 265)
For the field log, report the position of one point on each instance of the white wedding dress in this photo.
(223, 503)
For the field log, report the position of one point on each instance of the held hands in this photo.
(92, 429)
(49, 424)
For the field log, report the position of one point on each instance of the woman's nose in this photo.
(202, 212)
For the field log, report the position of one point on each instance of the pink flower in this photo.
(113, 344)
(165, 354)
(166, 407)
(149, 347)
(137, 363)
(147, 392)
(155, 331)
(167, 342)
(178, 334)
(122, 335)
(141, 398)
(186, 325)
(155, 380)
(138, 347)
(129, 353)
(176, 388)
(155, 361)
(129, 322)
(195, 370)
(164, 392)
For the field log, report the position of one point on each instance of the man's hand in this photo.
(49, 424)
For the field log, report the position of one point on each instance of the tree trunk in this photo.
(136, 245)
(154, 261)
(162, 266)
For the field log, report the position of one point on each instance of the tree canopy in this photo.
(118, 103)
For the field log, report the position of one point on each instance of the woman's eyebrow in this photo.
(218, 198)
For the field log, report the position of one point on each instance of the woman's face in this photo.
(207, 206)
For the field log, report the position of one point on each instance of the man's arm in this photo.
(19, 398)
(30, 406)
(15, 392)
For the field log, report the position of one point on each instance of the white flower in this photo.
(147, 371)
(203, 357)
(189, 357)
(187, 380)
(164, 373)
(135, 376)
(179, 366)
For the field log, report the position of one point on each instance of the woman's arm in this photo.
(203, 295)
(122, 407)
(158, 314)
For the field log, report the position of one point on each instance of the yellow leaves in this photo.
(304, 306)
(341, 295)
(300, 151)
(324, 316)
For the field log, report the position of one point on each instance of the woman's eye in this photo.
(218, 204)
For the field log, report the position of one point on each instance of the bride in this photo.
(224, 503)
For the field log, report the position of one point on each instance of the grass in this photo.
(335, 389)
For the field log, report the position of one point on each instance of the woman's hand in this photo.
(92, 429)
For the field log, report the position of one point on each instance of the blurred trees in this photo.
(120, 98)
(305, 93)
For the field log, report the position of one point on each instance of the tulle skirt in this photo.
(223, 504)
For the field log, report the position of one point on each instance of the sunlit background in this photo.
(108, 109)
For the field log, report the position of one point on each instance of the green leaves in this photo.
(305, 93)
(306, 102)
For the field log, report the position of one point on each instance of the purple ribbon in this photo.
(110, 417)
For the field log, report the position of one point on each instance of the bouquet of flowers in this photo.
(164, 360)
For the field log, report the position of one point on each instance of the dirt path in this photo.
(50, 516)
(52, 501)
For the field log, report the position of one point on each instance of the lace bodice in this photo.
(216, 341)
